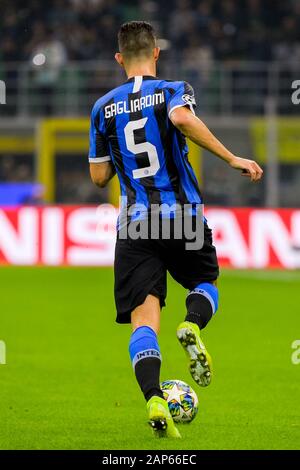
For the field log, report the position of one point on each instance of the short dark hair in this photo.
(136, 38)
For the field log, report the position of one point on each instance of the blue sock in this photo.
(146, 360)
(202, 303)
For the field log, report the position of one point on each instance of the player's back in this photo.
(131, 127)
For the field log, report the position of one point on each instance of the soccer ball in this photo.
(182, 400)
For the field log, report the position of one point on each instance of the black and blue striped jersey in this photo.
(130, 126)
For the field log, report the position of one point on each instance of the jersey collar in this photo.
(145, 77)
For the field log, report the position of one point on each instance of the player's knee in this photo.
(202, 303)
(148, 313)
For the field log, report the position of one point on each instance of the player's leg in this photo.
(140, 290)
(147, 314)
(202, 304)
(196, 270)
(146, 360)
(143, 347)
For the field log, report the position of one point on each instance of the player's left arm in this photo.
(193, 128)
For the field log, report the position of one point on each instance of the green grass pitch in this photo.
(68, 381)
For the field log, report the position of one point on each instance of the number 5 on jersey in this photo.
(144, 147)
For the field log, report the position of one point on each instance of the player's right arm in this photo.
(101, 166)
(101, 173)
(193, 128)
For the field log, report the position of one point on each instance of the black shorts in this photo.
(141, 268)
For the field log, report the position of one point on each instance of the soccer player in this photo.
(138, 131)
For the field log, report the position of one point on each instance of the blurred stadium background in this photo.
(56, 59)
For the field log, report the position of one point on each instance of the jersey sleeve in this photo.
(99, 150)
(182, 95)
